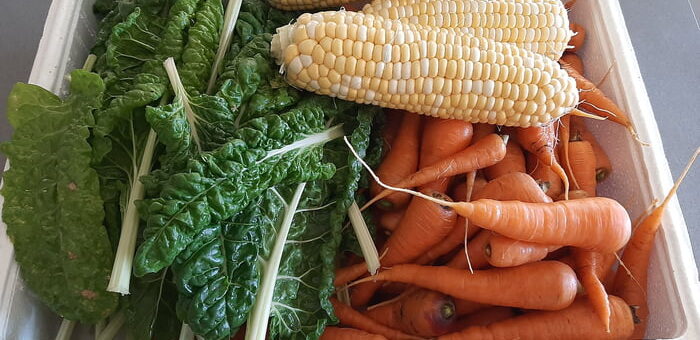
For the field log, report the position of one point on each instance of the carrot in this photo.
(450, 242)
(389, 220)
(574, 195)
(482, 130)
(442, 138)
(355, 319)
(544, 176)
(572, 323)
(569, 4)
(423, 225)
(335, 333)
(464, 307)
(586, 267)
(475, 251)
(400, 161)
(485, 152)
(484, 317)
(541, 141)
(574, 60)
(349, 273)
(547, 285)
(631, 281)
(578, 38)
(459, 192)
(596, 223)
(355, 6)
(513, 187)
(501, 251)
(563, 152)
(423, 312)
(595, 101)
(392, 124)
(513, 161)
(603, 166)
(582, 160)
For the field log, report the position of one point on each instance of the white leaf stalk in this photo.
(369, 250)
(120, 279)
(260, 313)
(230, 18)
(186, 332)
(115, 324)
(308, 141)
(66, 330)
(181, 96)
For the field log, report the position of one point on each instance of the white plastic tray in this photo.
(640, 173)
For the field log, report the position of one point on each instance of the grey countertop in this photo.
(665, 34)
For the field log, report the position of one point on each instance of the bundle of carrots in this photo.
(501, 235)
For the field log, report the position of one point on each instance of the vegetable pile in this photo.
(187, 184)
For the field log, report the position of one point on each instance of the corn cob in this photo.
(540, 26)
(296, 5)
(443, 73)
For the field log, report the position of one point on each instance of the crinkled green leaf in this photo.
(53, 209)
(202, 44)
(150, 308)
(220, 183)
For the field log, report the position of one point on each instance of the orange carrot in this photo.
(335, 333)
(595, 101)
(603, 167)
(442, 138)
(450, 242)
(464, 307)
(572, 323)
(484, 317)
(501, 251)
(355, 319)
(546, 285)
(459, 192)
(596, 223)
(391, 127)
(569, 4)
(482, 130)
(574, 60)
(349, 273)
(513, 161)
(582, 160)
(400, 161)
(578, 39)
(513, 187)
(423, 225)
(389, 220)
(485, 152)
(423, 312)
(586, 267)
(544, 176)
(475, 251)
(564, 138)
(541, 141)
(574, 195)
(631, 280)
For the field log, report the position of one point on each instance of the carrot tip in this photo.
(635, 135)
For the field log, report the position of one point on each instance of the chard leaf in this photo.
(219, 184)
(53, 208)
(150, 309)
(200, 51)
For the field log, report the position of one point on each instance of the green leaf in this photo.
(53, 207)
(220, 183)
(150, 308)
(202, 44)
